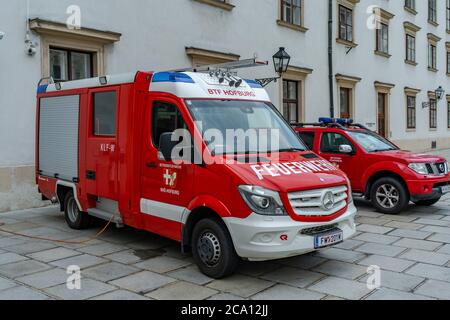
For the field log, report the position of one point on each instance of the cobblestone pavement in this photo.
(412, 250)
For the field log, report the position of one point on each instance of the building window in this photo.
(432, 11)
(345, 23)
(448, 15)
(104, 110)
(383, 38)
(345, 102)
(410, 4)
(448, 62)
(410, 48)
(432, 57)
(291, 101)
(291, 11)
(448, 114)
(411, 112)
(433, 114)
(67, 65)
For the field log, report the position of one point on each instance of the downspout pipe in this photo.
(330, 57)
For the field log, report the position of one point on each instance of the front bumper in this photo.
(261, 238)
(427, 189)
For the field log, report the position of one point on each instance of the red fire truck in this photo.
(376, 167)
(105, 148)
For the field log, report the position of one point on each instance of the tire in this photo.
(74, 217)
(389, 195)
(213, 249)
(427, 203)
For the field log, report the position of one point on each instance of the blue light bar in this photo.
(340, 121)
(42, 88)
(253, 84)
(172, 77)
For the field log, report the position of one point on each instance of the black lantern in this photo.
(440, 93)
(281, 61)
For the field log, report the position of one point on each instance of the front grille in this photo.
(318, 230)
(310, 203)
(437, 169)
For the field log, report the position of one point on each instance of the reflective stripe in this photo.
(164, 210)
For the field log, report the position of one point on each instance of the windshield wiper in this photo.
(381, 150)
(291, 150)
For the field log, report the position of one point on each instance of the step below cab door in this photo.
(166, 187)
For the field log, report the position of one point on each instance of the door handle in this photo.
(152, 165)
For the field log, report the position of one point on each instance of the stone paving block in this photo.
(142, 282)
(31, 247)
(397, 281)
(418, 244)
(380, 249)
(341, 269)
(191, 274)
(22, 268)
(162, 264)
(22, 293)
(430, 271)
(377, 238)
(10, 241)
(389, 294)
(404, 225)
(340, 255)
(435, 289)
(440, 237)
(240, 285)
(401, 218)
(283, 292)
(445, 249)
(349, 244)
(152, 243)
(120, 295)
(126, 257)
(374, 229)
(54, 254)
(342, 288)
(372, 221)
(109, 271)
(45, 279)
(435, 229)
(433, 222)
(256, 269)
(225, 297)
(9, 257)
(83, 261)
(182, 291)
(19, 227)
(413, 234)
(306, 261)
(6, 284)
(89, 288)
(369, 214)
(102, 249)
(426, 216)
(293, 277)
(426, 257)
(387, 263)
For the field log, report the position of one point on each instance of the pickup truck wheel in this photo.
(389, 196)
(74, 217)
(427, 203)
(213, 249)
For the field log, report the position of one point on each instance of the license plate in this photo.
(445, 189)
(328, 239)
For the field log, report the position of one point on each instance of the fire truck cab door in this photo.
(166, 187)
(101, 147)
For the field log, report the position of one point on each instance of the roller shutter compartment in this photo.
(58, 137)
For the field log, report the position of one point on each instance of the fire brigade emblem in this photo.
(170, 178)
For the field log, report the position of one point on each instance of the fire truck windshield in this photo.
(243, 127)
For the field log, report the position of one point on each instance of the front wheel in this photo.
(213, 249)
(427, 203)
(389, 195)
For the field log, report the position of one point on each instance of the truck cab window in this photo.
(331, 142)
(166, 117)
(308, 138)
(104, 109)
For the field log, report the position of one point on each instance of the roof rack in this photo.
(227, 66)
(343, 124)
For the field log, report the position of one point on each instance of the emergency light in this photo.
(341, 121)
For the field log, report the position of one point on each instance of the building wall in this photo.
(154, 37)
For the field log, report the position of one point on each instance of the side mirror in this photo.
(166, 145)
(345, 148)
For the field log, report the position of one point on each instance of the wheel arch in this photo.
(383, 174)
(64, 187)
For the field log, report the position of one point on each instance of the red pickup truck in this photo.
(378, 170)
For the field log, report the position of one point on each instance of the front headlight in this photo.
(446, 167)
(420, 168)
(263, 201)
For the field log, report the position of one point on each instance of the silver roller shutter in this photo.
(58, 136)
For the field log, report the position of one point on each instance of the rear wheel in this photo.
(74, 217)
(427, 203)
(389, 195)
(213, 249)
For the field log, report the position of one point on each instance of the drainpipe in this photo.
(330, 56)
